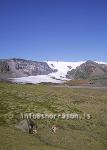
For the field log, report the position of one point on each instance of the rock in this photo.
(28, 126)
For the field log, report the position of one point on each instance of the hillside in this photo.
(89, 73)
(88, 70)
(84, 134)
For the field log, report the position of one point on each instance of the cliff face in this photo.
(12, 68)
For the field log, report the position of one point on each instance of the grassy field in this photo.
(81, 134)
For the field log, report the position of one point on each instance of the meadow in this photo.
(72, 134)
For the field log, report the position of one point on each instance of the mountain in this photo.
(89, 74)
(27, 71)
(15, 68)
(88, 70)
(57, 75)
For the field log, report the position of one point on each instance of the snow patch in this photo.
(99, 62)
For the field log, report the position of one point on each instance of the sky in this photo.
(62, 30)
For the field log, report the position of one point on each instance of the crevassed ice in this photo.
(62, 68)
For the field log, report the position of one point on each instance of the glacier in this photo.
(55, 77)
(62, 68)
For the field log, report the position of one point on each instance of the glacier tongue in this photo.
(62, 68)
(36, 79)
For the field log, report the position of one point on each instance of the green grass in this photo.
(72, 134)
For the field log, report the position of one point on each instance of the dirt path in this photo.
(80, 87)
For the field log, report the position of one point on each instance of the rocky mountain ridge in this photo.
(88, 70)
(15, 68)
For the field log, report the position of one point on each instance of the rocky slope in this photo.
(14, 68)
(88, 70)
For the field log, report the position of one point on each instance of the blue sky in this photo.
(67, 30)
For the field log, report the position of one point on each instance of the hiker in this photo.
(32, 127)
(54, 128)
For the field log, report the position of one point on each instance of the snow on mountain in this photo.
(100, 62)
(62, 68)
(55, 77)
